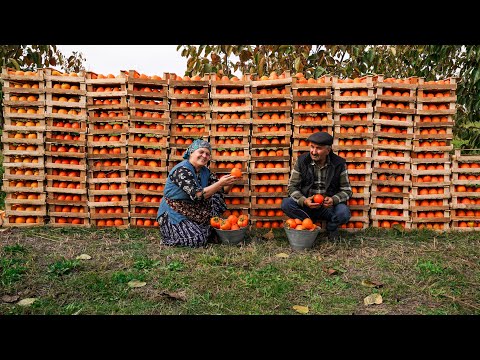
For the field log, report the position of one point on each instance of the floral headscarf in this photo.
(197, 144)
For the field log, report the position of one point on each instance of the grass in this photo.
(417, 272)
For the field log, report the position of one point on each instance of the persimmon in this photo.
(318, 198)
(242, 220)
(225, 224)
(236, 172)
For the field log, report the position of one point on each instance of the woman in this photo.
(192, 196)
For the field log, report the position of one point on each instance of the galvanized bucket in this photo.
(231, 237)
(301, 239)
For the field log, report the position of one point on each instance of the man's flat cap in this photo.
(321, 138)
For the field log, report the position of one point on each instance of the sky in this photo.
(146, 59)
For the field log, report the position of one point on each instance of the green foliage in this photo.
(11, 270)
(429, 61)
(33, 57)
(63, 267)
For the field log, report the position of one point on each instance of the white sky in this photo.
(146, 59)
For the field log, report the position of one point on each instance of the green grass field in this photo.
(417, 272)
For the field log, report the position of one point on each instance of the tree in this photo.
(32, 57)
(429, 61)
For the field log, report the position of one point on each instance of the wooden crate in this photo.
(303, 131)
(435, 120)
(462, 225)
(33, 113)
(431, 108)
(229, 141)
(275, 178)
(55, 161)
(430, 166)
(12, 173)
(135, 164)
(138, 186)
(230, 130)
(401, 156)
(13, 209)
(437, 226)
(260, 141)
(391, 179)
(189, 130)
(62, 113)
(458, 201)
(418, 180)
(17, 150)
(186, 139)
(82, 175)
(9, 73)
(10, 221)
(378, 143)
(380, 200)
(403, 217)
(13, 124)
(20, 161)
(395, 105)
(315, 105)
(436, 95)
(416, 193)
(192, 105)
(94, 140)
(74, 126)
(66, 187)
(152, 100)
(35, 198)
(242, 105)
(266, 117)
(10, 138)
(281, 105)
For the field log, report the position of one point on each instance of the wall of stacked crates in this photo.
(86, 149)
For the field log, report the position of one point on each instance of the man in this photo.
(319, 171)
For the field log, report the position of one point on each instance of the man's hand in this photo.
(328, 202)
(309, 203)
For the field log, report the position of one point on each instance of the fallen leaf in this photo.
(10, 298)
(301, 309)
(373, 299)
(282, 255)
(269, 235)
(26, 302)
(83, 257)
(179, 295)
(373, 284)
(330, 271)
(136, 283)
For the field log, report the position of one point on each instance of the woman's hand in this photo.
(227, 180)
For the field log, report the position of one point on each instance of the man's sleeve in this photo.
(345, 192)
(294, 185)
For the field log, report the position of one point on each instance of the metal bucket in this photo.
(231, 237)
(301, 239)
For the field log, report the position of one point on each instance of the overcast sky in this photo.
(147, 59)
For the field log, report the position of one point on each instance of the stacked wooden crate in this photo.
(149, 129)
(107, 109)
(353, 140)
(465, 190)
(65, 148)
(190, 114)
(270, 148)
(23, 147)
(431, 163)
(229, 135)
(392, 146)
(312, 111)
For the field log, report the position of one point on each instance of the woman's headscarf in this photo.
(197, 144)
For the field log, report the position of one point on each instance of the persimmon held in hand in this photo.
(236, 172)
(318, 199)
